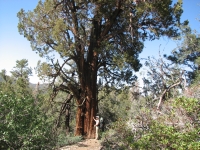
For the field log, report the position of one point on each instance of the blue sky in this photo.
(14, 46)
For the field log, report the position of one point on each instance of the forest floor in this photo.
(88, 144)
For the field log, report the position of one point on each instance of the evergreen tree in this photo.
(6, 83)
(94, 38)
(21, 73)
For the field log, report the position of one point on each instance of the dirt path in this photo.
(89, 144)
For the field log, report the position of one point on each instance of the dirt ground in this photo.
(89, 144)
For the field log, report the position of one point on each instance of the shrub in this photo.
(63, 140)
(161, 136)
(22, 124)
(116, 136)
(176, 126)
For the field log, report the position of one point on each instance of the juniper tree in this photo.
(94, 38)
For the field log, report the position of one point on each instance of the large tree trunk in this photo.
(90, 113)
(88, 82)
(87, 110)
(87, 105)
(79, 121)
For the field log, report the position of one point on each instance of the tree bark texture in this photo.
(87, 103)
(88, 68)
(86, 109)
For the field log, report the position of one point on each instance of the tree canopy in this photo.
(114, 30)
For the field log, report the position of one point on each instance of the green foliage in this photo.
(18, 83)
(21, 73)
(23, 125)
(95, 38)
(117, 136)
(111, 33)
(43, 70)
(63, 140)
(175, 127)
(21, 69)
(188, 51)
(115, 105)
(191, 105)
(196, 80)
(6, 84)
(161, 136)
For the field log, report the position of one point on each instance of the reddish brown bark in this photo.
(85, 113)
(88, 77)
(87, 110)
(88, 82)
(87, 105)
(79, 122)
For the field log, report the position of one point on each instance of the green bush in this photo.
(22, 124)
(63, 140)
(116, 137)
(176, 128)
(191, 105)
(161, 136)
